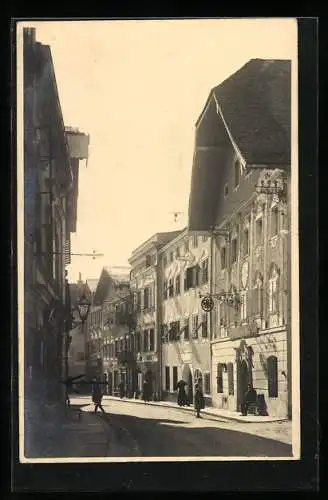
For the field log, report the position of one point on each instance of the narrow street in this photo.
(147, 431)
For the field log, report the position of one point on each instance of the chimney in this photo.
(80, 277)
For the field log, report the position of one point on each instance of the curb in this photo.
(204, 412)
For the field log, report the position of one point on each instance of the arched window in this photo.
(258, 294)
(272, 365)
(219, 378)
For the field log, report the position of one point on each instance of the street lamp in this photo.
(83, 307)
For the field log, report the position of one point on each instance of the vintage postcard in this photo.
(158, 266)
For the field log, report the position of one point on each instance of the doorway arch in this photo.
(243, 376)
(187, 377)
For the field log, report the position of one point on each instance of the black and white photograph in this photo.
(157, 233)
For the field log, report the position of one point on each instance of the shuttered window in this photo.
(219, 378)
(175, 377)
(230, 379)
(167, 378)
(272, 377)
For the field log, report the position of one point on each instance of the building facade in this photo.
(108, 332)
(185, 327)
(146, 293)
(50, 190)
(240, 193)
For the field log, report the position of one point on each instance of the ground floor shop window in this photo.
(167, 378)
(272, 377)
(219, 378)
(230, 379)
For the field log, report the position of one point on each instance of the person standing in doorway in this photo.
(146, 391)
(97, 395)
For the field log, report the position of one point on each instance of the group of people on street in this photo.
(184, 399)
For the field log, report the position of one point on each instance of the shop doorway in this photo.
(243, 380)
(187, 377)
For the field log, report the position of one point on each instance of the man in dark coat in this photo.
(97, 395)
(199, 401)
(146, 391)
(249, 399)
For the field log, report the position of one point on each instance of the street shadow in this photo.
(166, 438)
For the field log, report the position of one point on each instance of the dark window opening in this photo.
(151, 339)
(204, 325)
(167, 378)
(219, 379)
(246, 242)
(234, 250)
(274, 221)
(177, 284)
(259, 231)
(207, 383)
(226, 190)
(272, 377)
(223, 254)
(186, 329)
(236, 173)
(175, 377)
(230, 379)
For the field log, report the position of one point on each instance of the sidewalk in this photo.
(210, 412)
(58, 436)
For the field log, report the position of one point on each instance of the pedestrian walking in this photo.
(199, 401)
(121, 389)
(146, 391)
(97, 395)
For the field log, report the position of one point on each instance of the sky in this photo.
(137, 88)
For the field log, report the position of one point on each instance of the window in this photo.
(165, 289)
(204, 238)
(164, 261)
(194, 240)
(234, 250)
(174, 331)
(204, 273)
(175, 377)
(186, 329)
(196, 276)
(188, 282)
(246, 241)
(195, 325)
(204, 325)
(151, 339)
(219, 378)
(258, 295)
(186, 246)
(171, 289)
(148, 260)
(167, 378)
(177, 252)
(146, 298)
(207, 383)
(226, 190)
(80, 356)
(171, 256)
(274, 221)
(273, 291)
(139, 301)
(272, 377)
(145, 341)
(177, 284)
(236, 173)
(230, 379)
(259, 231)
(223, 254)
(138, 342)
(243, 305)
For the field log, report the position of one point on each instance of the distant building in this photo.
(242, 143)
(146, 293)
(185, 329)
(106, 333)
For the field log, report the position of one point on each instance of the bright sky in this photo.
(138, 87)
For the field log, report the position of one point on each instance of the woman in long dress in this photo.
(182, 396)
